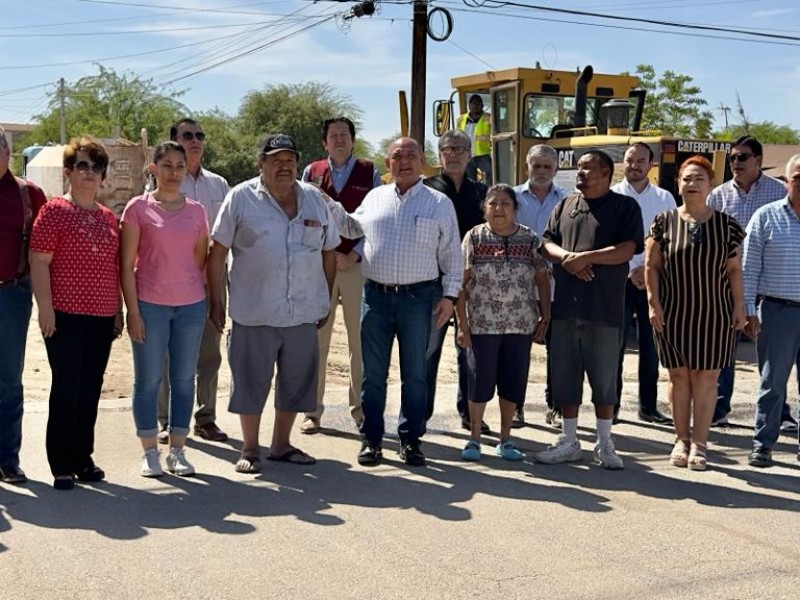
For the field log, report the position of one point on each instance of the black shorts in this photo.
(502, 361)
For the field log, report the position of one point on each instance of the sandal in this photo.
(679, 457)
(248, 463)
(293, 456)
(697, 458)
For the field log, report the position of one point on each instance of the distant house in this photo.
(776, 156)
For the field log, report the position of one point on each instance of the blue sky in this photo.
(371, 61)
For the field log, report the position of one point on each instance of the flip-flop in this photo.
(294, 456)
(248, 464)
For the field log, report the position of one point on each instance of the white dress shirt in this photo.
(653, 201)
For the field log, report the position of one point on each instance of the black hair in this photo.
(500, 188)
(650, 154)
(750, 142)
(164, 147)
(173, 131)
(604, 159)
(328, 122)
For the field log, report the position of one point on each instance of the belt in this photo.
(782, 301)
(399, 288)
(8, 283)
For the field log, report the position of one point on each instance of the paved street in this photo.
(451, 530)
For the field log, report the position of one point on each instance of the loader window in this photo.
(541, 115)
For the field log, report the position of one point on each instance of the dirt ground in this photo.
(119, 374)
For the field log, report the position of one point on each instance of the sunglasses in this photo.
(741, 157)
(697, 232)
(457, 150)
(85, 166)
(188, 136)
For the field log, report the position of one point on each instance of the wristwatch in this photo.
(452, 299)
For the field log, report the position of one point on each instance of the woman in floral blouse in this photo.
(499, 315)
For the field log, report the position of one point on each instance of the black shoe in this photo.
(64, 482)
(760, 457)
(371, 453)
(12, 474)
(466, 424)
(412, 455)
(90, 473)
(653, 415)
(553, 417)
(518, 420)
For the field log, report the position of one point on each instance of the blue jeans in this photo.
(433, 356)
(384, 316)
(177, 330)
(15, 314)
(777, 346)
(636, 303)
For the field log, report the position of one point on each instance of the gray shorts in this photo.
(253, 352)
(579, 348)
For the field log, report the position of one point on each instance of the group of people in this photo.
(508, 266)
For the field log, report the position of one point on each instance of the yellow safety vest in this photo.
(482, 144)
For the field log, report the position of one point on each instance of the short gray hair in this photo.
(3, 140)
(454, 135)
(791, 164)
(542, 150)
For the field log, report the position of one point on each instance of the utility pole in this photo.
(418, 71)
(62, 110)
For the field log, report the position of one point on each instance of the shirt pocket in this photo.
(426, 233)
(312, 237)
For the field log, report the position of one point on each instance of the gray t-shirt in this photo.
(276, 275)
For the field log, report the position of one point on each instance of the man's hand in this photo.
(579, 265)
(216, 314)
(443, 311)
(637, 277)
(753, 327)
(346, 261)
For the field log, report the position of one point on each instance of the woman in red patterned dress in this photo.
(74, 256)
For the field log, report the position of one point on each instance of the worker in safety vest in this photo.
(477, 125)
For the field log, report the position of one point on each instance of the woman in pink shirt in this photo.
(74, 257)
(164, 248)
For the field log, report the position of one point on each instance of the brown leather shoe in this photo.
(309, 425)
(210, 432)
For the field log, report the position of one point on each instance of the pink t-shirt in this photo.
(166, 271)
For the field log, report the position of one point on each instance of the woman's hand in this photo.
(657, 317)
(47, 321)
(463, 337)
(119, 325)
(136, 327)
(739, 318)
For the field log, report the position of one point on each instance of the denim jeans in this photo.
(406, 316)
(433, 357)
(177, 331)
(15, 314)
(777, 346)
(636, 304)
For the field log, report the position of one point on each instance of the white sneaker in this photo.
(560, 452)
(151, 465)
(177, 463)
(606, 456)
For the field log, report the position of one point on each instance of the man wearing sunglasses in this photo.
(466, 194)
(209, 189)
(740, 197)
(20, 202)
(346, 179)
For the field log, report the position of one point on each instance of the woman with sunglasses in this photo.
(693, 273)
(74, 257)
(164, 248)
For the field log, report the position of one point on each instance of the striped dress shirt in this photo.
(734, 201)
(408, 238)
(771, 260)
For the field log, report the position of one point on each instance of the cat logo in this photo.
(565, 158)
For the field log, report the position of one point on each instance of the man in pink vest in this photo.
(346, 179)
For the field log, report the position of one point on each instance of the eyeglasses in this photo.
(741, 157)
(85, 166)
(457, 150)
(188, 136)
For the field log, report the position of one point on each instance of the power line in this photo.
(193, 9)
(137, 31)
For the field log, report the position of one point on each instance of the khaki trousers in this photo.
(348, 287)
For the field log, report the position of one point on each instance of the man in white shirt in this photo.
(410, 237)
(637, 162)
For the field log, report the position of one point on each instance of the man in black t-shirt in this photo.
(590, 237)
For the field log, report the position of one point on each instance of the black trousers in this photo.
(78, 354)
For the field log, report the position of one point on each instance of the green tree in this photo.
(673, 104)
(230, 150)
(765, 132)
(109, 104)
(299, 110)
